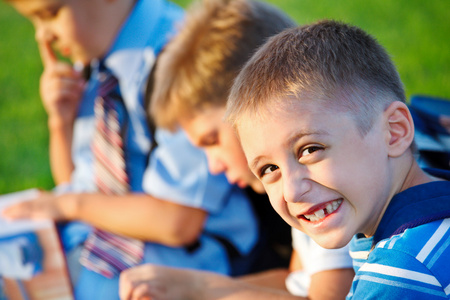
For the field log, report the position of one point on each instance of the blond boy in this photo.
(193, 78)
(174, 210)
(320, 112)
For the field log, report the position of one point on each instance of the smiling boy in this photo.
(321, 115)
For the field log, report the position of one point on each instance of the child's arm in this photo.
(159, 282)
(325, 285)
(135, 215)
(61, 88)
(331, 284)
(274, 278)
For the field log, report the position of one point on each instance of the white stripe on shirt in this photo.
(402, 285)
(359, 254)
(401, 273)
(447, 290)
(435, 238)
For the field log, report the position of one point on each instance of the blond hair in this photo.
(327, 60)
(197, 68)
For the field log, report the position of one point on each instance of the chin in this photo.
(331, 242)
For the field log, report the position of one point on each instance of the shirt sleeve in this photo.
(178, 172)
(315, 258)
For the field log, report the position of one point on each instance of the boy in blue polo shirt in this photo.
(320, 111)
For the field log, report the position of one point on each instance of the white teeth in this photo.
(320, 214)
(330, 208)
(312, 218)
(336, 204)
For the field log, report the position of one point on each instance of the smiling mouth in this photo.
(323, 212)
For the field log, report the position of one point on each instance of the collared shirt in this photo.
(177, 171)
(314, 259)
(412, 263)
(130, 60)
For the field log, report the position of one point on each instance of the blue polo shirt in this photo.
(409, 255)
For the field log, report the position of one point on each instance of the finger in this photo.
(44, 194)
(69, 84)
(445, 122)
(125, 286)
(56, 84)
(47, 53)
(32, 209)
(17, 211)
(70, 97)
(141, 292)
(64, 69)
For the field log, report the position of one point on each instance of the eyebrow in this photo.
(42, 11)
(206, 138)
(289, 142)
(300, 134)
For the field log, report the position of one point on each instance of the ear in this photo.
(400, 128)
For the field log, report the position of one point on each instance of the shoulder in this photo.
(411, 263)
(422, 242)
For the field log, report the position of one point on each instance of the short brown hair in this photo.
(197, 68)
(325, 60)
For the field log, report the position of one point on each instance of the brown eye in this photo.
(211, 140)
(268, 169)
(310, 150)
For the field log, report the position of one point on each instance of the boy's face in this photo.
(77, 29)
(321, 175)
(223, 150)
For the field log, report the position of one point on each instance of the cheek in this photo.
(243, 167)
(234, 156)
(215, 155)
(80, 37)
(341, 168)
(68, 25)
(277, 201)
(358, 177)
(329, 173)
(234, 147)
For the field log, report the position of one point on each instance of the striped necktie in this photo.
(107, 253)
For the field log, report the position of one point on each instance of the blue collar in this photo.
(416, 206)
(145, 28)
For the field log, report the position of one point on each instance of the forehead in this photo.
(287, 107)
(35, 7)
(280, 122)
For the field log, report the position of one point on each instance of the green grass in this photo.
(415, 33)
(23, 131)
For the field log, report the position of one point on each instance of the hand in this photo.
(46, 206)
(135, 283)
(61, 87)
(148, 281)
(445, 122)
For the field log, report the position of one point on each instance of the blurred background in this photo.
(415, 32)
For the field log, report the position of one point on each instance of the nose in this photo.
(296, 185)
(42, 32)
(215, 164)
